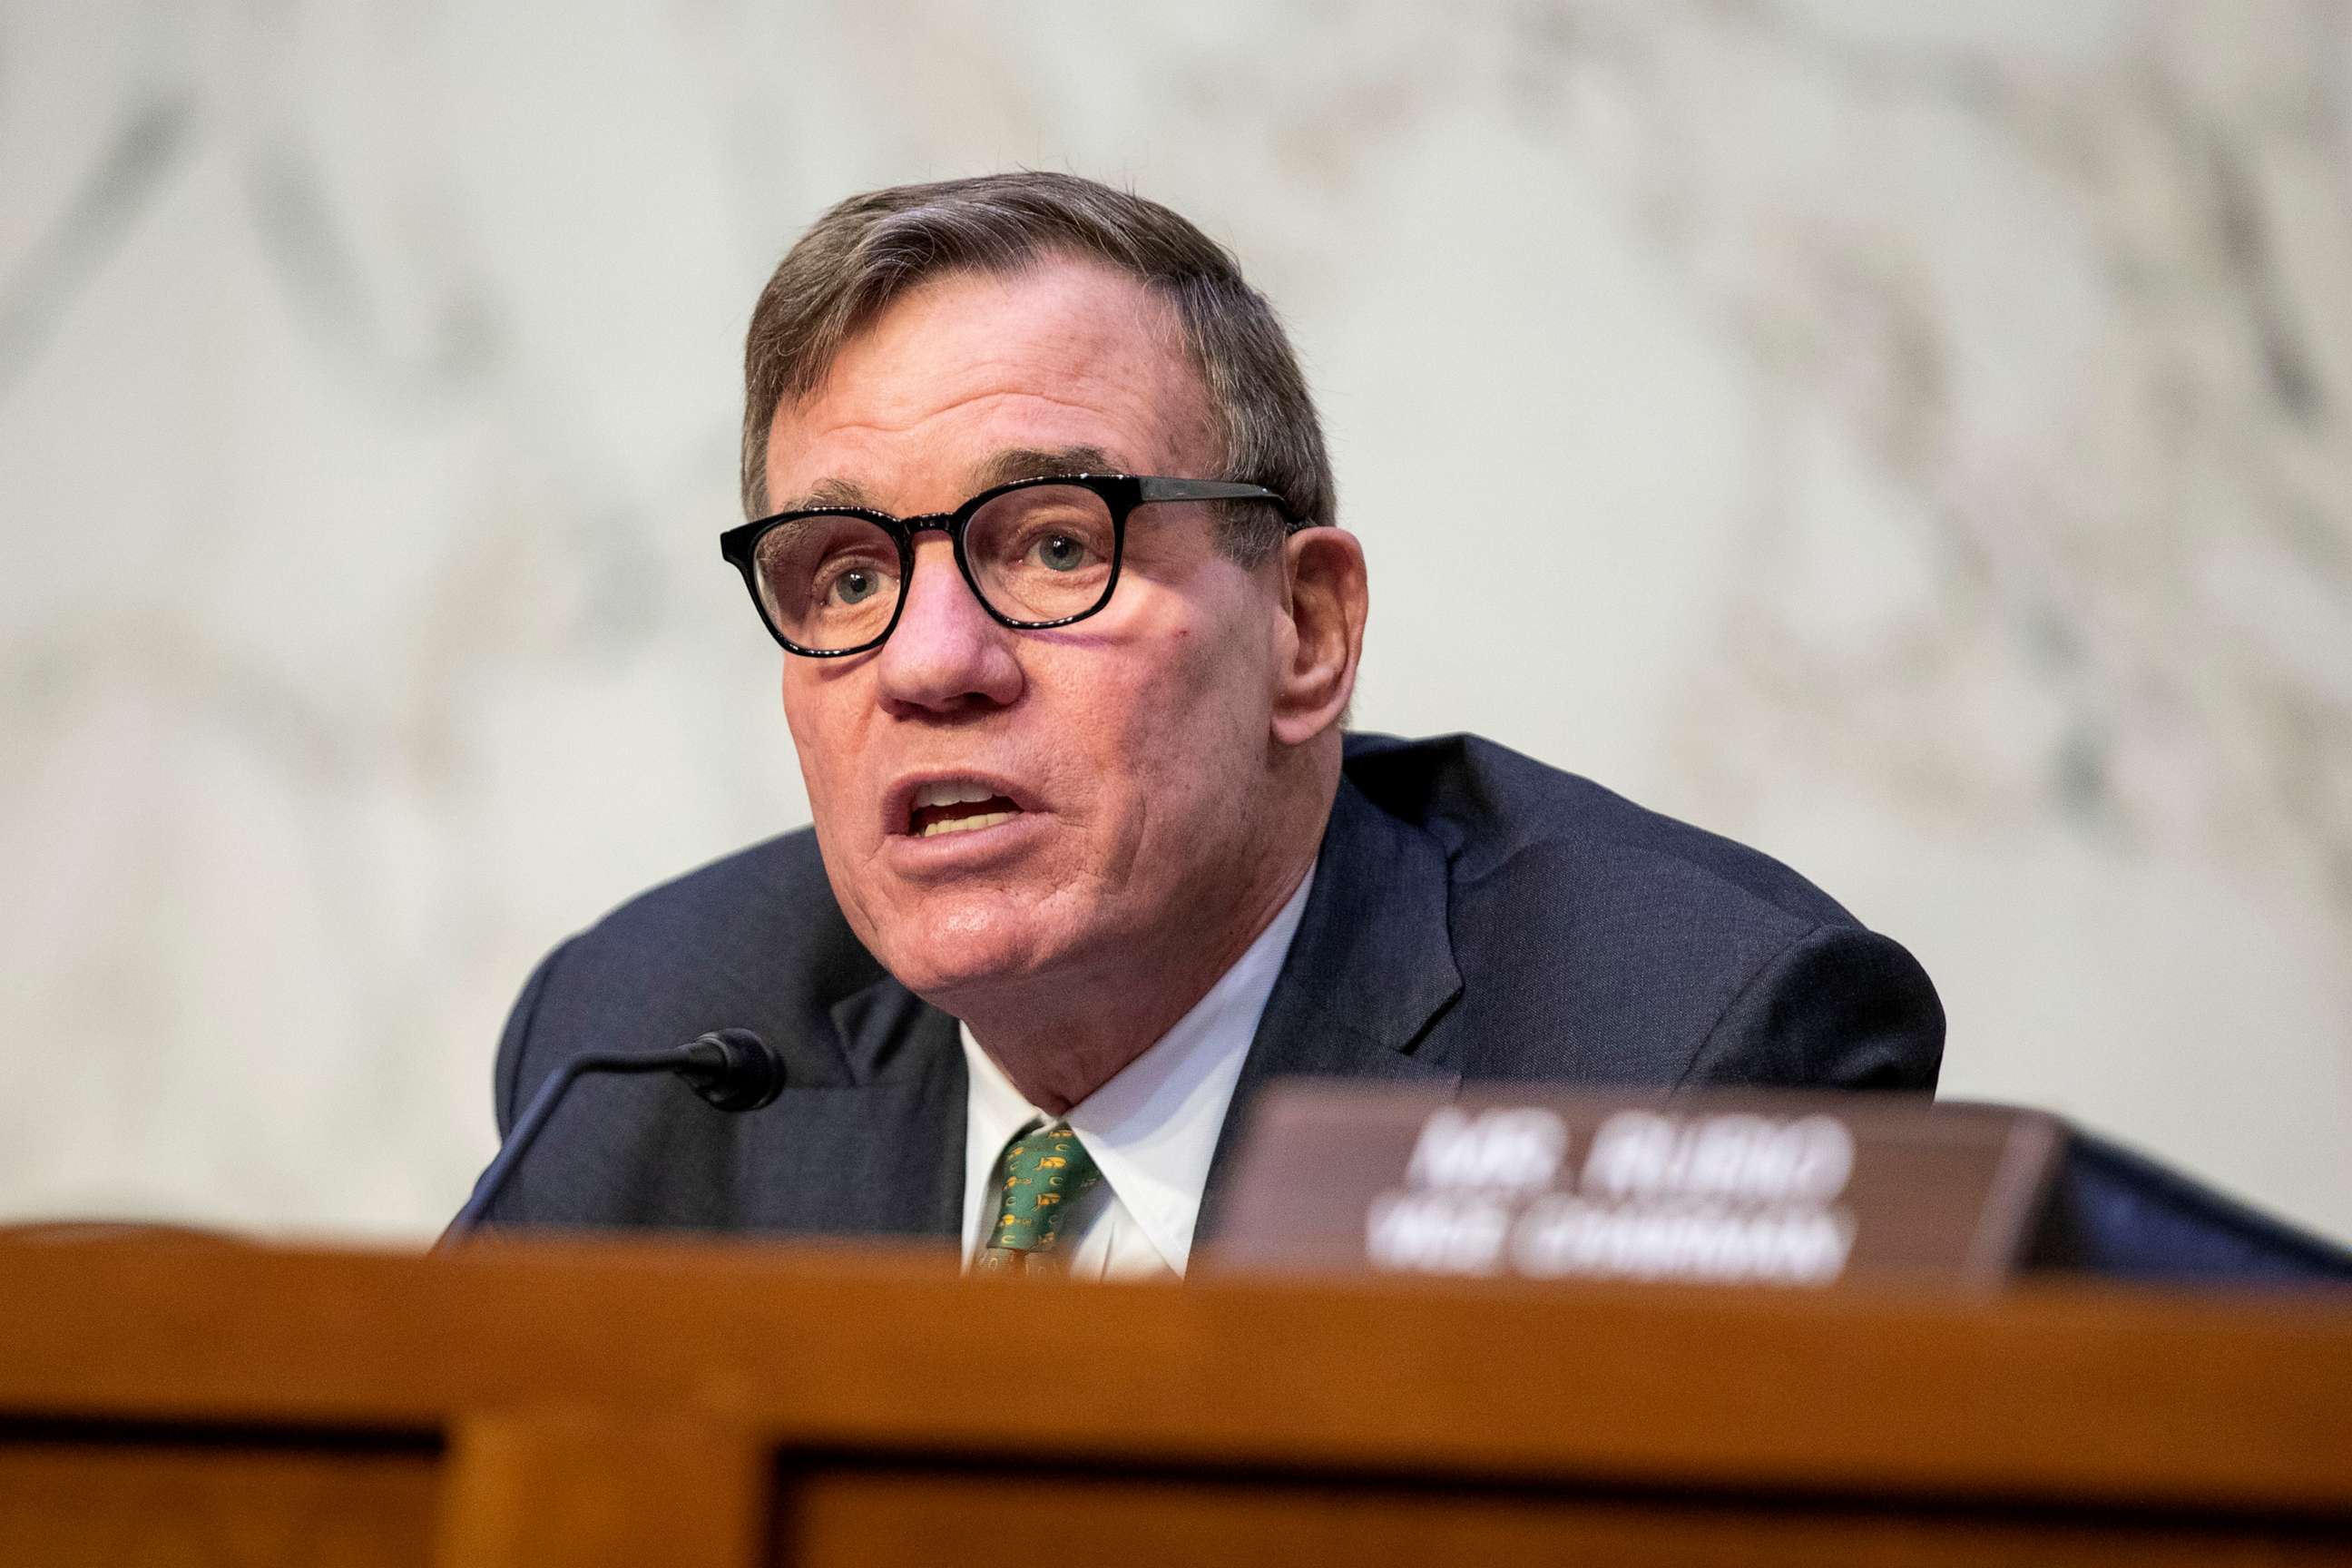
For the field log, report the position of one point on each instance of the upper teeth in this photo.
(953, 792)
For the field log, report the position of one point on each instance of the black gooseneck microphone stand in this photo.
(734, 1070)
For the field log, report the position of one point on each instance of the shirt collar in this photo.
(1153, 1128)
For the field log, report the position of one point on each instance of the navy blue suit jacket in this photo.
(1477, 917)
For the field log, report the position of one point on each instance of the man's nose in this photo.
(946, 653)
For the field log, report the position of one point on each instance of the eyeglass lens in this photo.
(1040, 553)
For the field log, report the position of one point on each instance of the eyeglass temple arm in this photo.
(1209, 489)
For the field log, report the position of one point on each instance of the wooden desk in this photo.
(168, 1402)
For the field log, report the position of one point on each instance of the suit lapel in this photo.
(1371, 967)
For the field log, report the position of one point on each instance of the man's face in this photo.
(1120, 757)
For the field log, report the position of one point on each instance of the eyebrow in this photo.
(1039, 463)
(1011, 464)
(830, 491)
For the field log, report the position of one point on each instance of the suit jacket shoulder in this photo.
(1490, 806)
(1603, 943)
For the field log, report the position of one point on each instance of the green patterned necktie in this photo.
(1046, 1171)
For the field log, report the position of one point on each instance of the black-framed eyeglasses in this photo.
(1041, 552)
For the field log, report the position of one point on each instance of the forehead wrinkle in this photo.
(1007, 464)
(872, 389)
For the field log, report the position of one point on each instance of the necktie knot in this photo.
(1045, 1172)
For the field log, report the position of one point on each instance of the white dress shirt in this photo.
(1152, 1128)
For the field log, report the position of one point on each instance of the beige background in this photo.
(1912, 437)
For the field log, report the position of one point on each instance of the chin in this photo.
(938, 956)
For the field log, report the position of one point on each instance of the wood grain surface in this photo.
(733, 1402)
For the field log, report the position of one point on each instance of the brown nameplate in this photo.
(1747, 1188)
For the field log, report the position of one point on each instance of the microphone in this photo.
(734, 1070)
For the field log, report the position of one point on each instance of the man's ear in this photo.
(1328, 599)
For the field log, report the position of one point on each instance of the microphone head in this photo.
(735, 1069)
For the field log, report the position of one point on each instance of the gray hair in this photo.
(872, 248)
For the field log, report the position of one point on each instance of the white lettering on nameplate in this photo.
(1513, 1150)
(1731, 1198)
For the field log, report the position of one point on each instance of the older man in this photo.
(1045, 526)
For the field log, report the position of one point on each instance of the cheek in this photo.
(817, 714)
(1188, 728)
(1218, 676)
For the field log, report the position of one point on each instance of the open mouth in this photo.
(957, 806)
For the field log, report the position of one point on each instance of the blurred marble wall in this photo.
(1915, 439)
